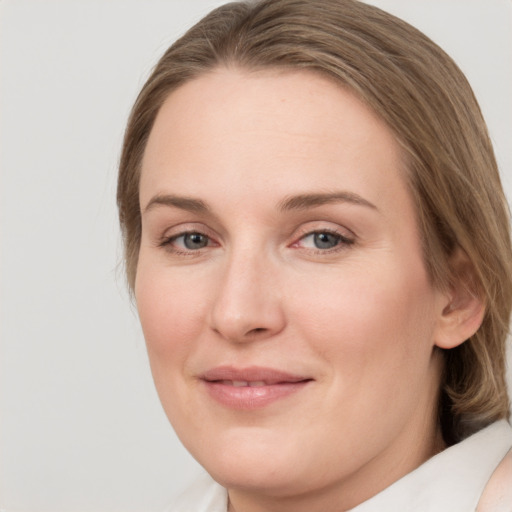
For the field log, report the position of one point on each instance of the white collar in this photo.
(451, 481)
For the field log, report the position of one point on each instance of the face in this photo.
(289, 319)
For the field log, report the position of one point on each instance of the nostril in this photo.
(256, 331)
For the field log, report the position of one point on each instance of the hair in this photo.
(425, 99)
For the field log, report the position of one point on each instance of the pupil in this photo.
(195, 241)
(325, 240)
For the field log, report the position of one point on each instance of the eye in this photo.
(187, 242)
(193, 241)
(324, 240)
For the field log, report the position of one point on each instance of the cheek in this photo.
(171, 312)
(375, 333)
(366, 318)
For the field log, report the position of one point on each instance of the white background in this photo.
(81, 426)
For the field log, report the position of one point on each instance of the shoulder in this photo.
(497, 495)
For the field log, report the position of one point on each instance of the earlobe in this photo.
(464, 307)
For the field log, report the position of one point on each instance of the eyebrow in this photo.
(296, 202)
(184, 203)
(305, 201)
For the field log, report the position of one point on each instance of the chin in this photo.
(266, 478)
(252, 461)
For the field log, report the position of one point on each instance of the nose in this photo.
(248, 303)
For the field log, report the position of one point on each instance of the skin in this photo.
(360, 319)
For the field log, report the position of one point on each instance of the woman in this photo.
(318, 244)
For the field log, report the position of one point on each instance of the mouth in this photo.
(251, 388)
(244, 383)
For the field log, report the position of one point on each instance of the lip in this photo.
(252, 387)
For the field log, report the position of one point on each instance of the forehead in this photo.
(289, 132)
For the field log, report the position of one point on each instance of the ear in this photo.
(463, 307)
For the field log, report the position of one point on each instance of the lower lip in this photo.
(252, 397)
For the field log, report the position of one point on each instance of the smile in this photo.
(251, 388)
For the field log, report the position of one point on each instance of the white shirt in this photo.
(451, 481)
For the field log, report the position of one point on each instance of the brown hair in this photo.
(427, 102)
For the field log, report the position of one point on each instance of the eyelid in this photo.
(186, 227)
(321, 227)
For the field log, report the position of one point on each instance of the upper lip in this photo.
(251, 374)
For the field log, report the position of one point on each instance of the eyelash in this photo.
(343, 242)
(167, 243)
